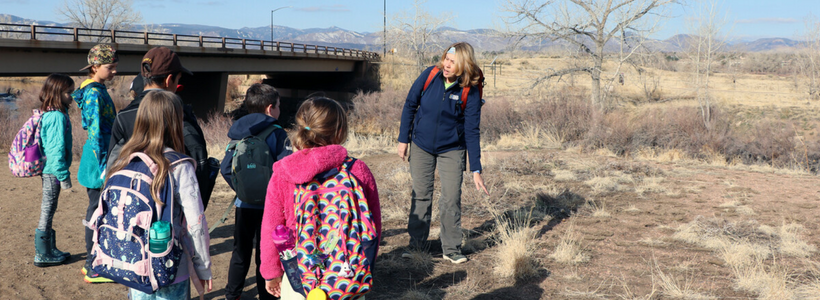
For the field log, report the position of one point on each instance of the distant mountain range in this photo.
(481, 39)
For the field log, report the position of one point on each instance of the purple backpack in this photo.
(25, 156)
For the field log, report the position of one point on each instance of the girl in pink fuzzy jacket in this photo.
(321, 128)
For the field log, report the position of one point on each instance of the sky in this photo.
(746, 19)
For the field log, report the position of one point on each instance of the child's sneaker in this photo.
(92, 277)
(455, 257)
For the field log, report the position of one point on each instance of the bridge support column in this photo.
(205, 92)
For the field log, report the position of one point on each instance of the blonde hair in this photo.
(320, 122)
(158, 125)
(465, 66)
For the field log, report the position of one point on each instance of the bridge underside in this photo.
(294, 74)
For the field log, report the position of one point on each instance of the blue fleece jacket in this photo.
(56, 143)
(434, 122)
(249, 125)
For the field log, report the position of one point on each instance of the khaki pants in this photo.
(451, 167)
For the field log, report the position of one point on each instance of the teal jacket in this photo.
(56, 143)
(98, 114)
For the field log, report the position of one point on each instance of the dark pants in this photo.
(450, 166)
(247, 228)
(93, 202)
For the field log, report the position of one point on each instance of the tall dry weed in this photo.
(215, 128)
(516, 245)
(569, 249)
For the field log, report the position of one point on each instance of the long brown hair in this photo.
(320, 122)
(51, 95)
(158, 125)
(466, 67)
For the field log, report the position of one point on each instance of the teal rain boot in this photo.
(54, 250)
(42, 246)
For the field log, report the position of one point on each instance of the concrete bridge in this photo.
(296, 70)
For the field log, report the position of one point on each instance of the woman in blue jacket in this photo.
(439, 133)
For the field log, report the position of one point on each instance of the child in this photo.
(262, 104)
(158, 128)
(55, 134)
(98, 114)
(321, 128)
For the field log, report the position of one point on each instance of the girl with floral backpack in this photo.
(55, 145)
(326, 204)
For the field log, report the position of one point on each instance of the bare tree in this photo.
(707, 41)
(589, 25)
(809, 56)
(416, 32)
(100, 14)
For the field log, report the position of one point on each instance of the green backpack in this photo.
(251, 166)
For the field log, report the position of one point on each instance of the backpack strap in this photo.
(348, 163)
(430, 77)
(265, 133)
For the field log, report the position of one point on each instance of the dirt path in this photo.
(620, 255)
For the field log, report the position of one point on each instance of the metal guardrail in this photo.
(59, 33)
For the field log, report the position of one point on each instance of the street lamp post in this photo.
(271, 23)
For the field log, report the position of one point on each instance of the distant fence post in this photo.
(146, 38)
(33, 32)
(76, 34)
(175, 39)
(113, 36)
(200, 41)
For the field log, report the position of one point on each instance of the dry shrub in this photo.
(215, 128)
(233, 92)
(11, 121)
(377, 113)
(360, 145)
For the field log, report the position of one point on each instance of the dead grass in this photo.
(569, 249)
(602, 185)
(676, 288)
(515, 244)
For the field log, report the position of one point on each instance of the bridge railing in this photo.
(60, 33)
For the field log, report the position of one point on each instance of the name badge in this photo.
(454, 97)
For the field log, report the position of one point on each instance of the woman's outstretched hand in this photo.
(479, 183)
(402, 150)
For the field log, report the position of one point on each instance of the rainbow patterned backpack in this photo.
(336, 236)
(25, 156)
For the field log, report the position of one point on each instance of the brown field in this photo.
(601, 208)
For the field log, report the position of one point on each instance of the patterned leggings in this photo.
(51, 191)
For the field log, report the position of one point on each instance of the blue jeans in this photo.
(175, 291)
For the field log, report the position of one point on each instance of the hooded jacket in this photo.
(433, 119)
(123, 128)
(297, 168)
(249, 125)
(55, 133)
(98, 115)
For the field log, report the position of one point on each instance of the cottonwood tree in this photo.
(416, 32)
(706, 41)
(100, 14)
(590, 26)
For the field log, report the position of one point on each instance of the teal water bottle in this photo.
(159, 236)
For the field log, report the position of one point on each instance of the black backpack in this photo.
(251, 166)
